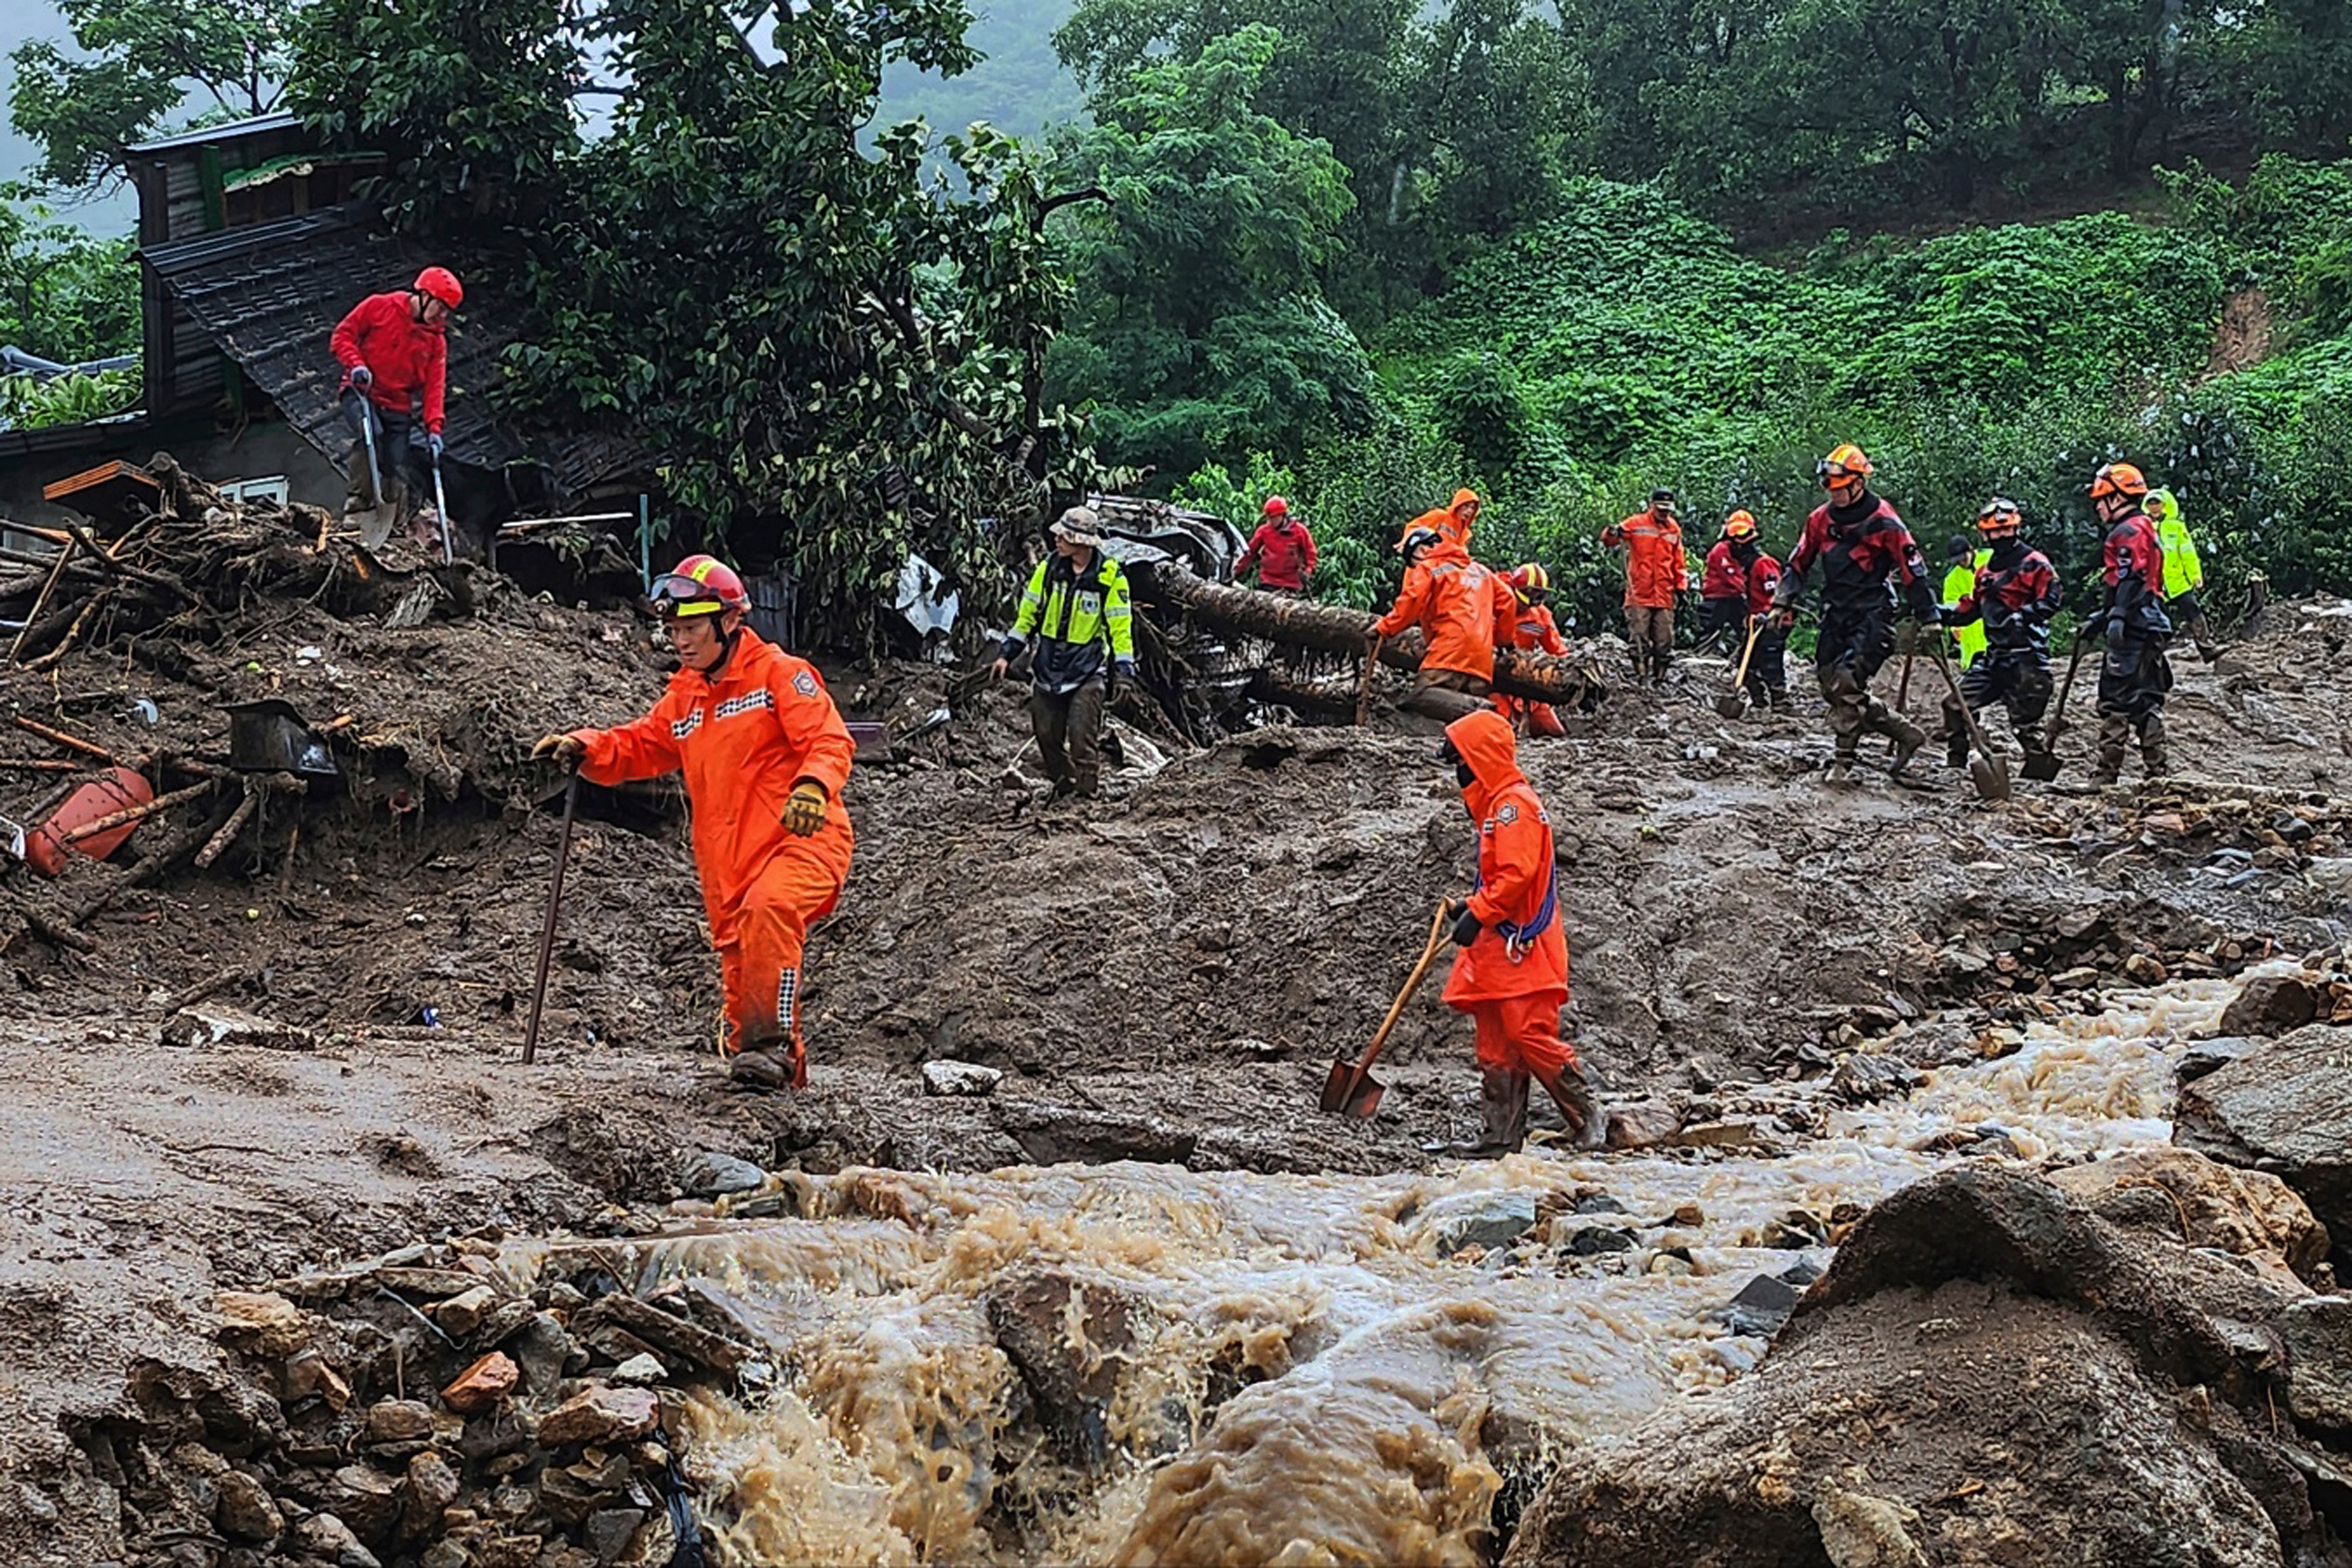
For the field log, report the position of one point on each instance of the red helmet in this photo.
(701, 586)
(1532, 575)
(1276, 507)
(442, 284)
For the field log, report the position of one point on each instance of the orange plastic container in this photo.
(45, 846)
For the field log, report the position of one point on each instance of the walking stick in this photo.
(546, 929)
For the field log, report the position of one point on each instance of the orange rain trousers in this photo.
(760, 971)
(1521, 1034)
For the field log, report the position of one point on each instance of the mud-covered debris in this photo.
(960, 1079)
(245, 1509)
(1642, 1124)
(1861, 1078)
(1859, 1531)
(2179, 1196)
(209, 1027)
(1595, 1241)
(1747, 1135)
(2318, 1334)
(428, 1284)
(461, 1314)
(482, 1384)
(711, 1175)
(1067, 1338)
(262, 1323)
(2272, 1004)
(603, 1414)
(1458, 1221)
(651, 1328)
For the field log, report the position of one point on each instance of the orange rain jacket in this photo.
(1520, 950)
(1448, 524)
(742, 742)
(1656, 567)
(1459, 606)
(1533, 630)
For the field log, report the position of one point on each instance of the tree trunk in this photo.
(1335, 628)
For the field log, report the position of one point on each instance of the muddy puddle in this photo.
(1140, 1363)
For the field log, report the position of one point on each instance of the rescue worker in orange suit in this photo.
(1282, 550)
(1532, 630)
(2016, 594)
(394, 351)
(1452, 522)
(1865, 552)
(2135, 675)
(765, 756)
(1511, 976)
(1460, 608)
(1657, 575)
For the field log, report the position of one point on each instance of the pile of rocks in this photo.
(418, 1412)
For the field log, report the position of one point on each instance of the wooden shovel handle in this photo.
(1396, 1009)
(1755, 626)
(1976, 730)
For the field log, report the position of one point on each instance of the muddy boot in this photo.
(759, 1071)
(2113, 732)
(2152, 751)
(1842, 769)
(1502, 1117)
(1956, 749)
(1588, 1129)
(1777, 698)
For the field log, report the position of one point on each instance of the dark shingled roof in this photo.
(271, 296)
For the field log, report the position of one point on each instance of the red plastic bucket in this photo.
(45, 846)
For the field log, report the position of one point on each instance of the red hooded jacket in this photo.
(1284, 557)
(1520, 950)
(407, 357)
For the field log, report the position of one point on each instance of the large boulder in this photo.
(2184, 1196)
(1989, 1372)
(2286, 1107)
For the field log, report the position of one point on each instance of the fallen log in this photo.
(1335, 628)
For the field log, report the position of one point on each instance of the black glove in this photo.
(1465, 926)
(361, 377)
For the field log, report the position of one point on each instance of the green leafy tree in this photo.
(63, 294)
(1200, 328)
(141, 60)
(840, 359)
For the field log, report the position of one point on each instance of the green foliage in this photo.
(469, 101)
(134, 62)
(1018, 86)
(842, 360)
(1200, 328)
(63, 294)
(26, 404)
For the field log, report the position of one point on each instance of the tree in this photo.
(63, 294)
(840, 360)
(1201, 329)
(143, 57)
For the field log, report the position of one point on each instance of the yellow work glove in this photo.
(565, 749)
(805, 811)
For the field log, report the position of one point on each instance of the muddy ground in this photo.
(1164, 976)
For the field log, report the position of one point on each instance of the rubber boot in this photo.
(1956, 749)
(2152, 751)
(1841, 767)
(1502, 1116)
(2113, 732)
(1588, 1129)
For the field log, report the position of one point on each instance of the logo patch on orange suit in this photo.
(805, 683)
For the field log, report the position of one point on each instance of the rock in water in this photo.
(2286, 1108)
(2272, 1004)
(1487, 1219)
(711, 1175)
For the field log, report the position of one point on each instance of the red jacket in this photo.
(405, 356)
(742, 742)
(1534, 631)
(1726, 578)
(1520, 950)
(2133, 565)
(1459, 606)
(1655, 570)
(1285, 557)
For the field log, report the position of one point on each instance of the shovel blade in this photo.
(1989, 775)
(2042, 766)
(1337, 1100)
(1731, 704)
(375, 524)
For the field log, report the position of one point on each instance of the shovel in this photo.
(1351, 1089)
(441, 511)
(1987, 771)
(547, 930)
(374, 524)
(1734, 702)
(2042, 766)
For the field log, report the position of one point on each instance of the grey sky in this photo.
(21, 20)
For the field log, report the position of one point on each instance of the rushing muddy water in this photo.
(1249, 1369)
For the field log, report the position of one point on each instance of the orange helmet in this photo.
(442, 284)
(1847, 460)
(1532, 576)
(1739, 525)
(701, 586)
(2000, 518)
(2118, 479)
